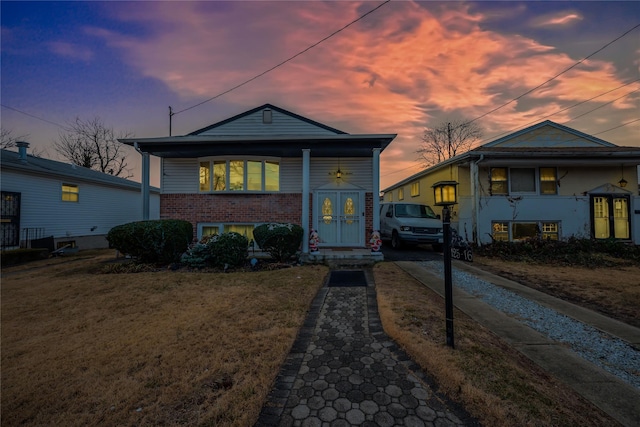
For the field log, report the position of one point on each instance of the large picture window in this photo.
(504, 181)
(239, 175)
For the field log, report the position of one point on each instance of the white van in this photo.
(410, 224)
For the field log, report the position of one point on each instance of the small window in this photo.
(390, 196)
(523, 180)
(500, 231)
(499, 181)
(205, 176)
(415, 189)
(236, 175)
(524, 231)
(271, 176)
(208, 230)
(267, 116)
(548, 181)
(70, 193)
(401, 194)
(219, 175)
(550, 231)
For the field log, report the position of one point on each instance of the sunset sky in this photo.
(401, 68)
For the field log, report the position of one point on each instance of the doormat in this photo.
(347, 278)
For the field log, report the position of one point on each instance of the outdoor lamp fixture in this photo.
(338, 173)
(444, 193)
(623, 182)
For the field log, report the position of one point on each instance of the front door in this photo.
(610, 217)
(339, 218)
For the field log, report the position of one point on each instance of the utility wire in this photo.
(600, 106)
(31, 115)
(557, 112)
(283, 62)
(557, 75)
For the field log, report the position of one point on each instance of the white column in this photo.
(306, 167)
(145, 185)
(376, 189)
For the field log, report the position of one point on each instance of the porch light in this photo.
(338, 173)
(623, 182)
(444, 193)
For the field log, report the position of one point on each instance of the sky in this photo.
(406, 66)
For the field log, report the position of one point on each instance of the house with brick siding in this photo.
(270, 165)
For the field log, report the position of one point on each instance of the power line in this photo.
(31, 115)
(283, 62)
(557, 75)
(600, 106)
(559, 111)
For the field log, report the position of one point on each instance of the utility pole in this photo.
(170, 118)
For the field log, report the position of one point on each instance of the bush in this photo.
(581, 252)
(198, 256)
(229, 249)
(20, 256)
(281, 241)
(155, 241)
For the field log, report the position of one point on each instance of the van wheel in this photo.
(395, 240)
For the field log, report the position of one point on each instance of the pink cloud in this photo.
(557, 19)
(396, 71)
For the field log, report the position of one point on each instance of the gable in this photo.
(548, 135)
(282, 122)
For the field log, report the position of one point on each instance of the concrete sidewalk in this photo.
(614, 396)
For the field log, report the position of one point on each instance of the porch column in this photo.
(376, 189)
(306, 167)
(145, 186)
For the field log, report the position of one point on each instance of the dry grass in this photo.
(492, 381)
(163, 348)
(614, 292)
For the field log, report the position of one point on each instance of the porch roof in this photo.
(192, 146)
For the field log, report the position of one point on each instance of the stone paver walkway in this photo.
(344, 371)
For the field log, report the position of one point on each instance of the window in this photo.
(548, 181)
(70, 193)
(208, 230)
(523, 180)
(239, 175)
(415, 189)
(499, 181)
(500, 231)
(214, 229)
(516, 231)
(550, 230)
(401, 194)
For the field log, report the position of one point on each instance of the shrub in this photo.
(281, 241)
(154, 241)
(229, 249)
(198, 255)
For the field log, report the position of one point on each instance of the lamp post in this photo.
(445, 195)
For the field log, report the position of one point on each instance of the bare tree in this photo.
(90, 143)
(8, 140)
(446, 140)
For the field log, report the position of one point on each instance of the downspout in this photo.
(145, 181)
(475, 214)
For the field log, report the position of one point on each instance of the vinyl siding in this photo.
(281, 124)
(101, 206)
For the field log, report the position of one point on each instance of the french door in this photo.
(610, 217)
(339, 218)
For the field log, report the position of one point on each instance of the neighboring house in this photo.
(42, 198)
(271, 165)
(547, 180)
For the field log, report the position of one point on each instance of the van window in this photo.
(414, 211)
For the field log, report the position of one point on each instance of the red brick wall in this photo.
(245, 208)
